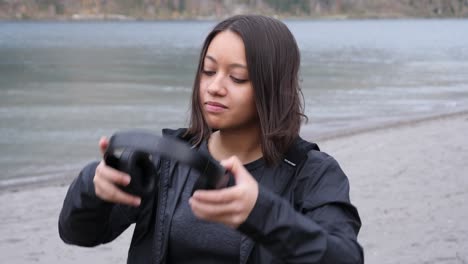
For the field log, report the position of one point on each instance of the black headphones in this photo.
(133, 151)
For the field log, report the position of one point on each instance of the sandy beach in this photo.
(409, 182)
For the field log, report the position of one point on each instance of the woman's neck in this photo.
(246, 145)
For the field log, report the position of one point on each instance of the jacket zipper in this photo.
(159, 221)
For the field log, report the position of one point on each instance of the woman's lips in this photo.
(214, 107)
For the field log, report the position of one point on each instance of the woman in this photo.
(290, 202)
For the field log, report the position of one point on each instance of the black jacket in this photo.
(302, 215)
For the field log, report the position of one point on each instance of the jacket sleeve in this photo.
(85, 219)
(322, 228)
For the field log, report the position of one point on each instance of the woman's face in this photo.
(226, 93)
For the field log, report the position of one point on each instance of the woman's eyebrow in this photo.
(232, 65)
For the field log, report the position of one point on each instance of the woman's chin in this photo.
(215, 123)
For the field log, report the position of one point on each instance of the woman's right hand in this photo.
(107, 179)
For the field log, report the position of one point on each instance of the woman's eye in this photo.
(236, 80)
(209, 73)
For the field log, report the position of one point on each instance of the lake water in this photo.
(65, 84)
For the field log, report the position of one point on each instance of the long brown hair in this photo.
(273, 61)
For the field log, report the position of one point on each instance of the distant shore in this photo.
(122, 18)
(215, 9)
(409, 182)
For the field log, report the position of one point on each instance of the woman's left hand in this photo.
(230, 206)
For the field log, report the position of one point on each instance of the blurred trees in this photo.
(163, 9)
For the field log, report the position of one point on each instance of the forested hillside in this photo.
(206, 9)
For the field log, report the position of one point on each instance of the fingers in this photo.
(106, 181)
(230, 164)
(230, 206)
(213, 210)
(221, 196)
(109, 192)
(103, 143)
(231, 214)
(235, 166)
(112, 175)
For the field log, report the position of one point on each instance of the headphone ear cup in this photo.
(213, 177)
(138, 165)
(126, 163)
(144, 168)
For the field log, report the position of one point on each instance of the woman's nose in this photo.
(216, 86)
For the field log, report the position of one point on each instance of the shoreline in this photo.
(390, 124)
(214, 19)
(15, 185)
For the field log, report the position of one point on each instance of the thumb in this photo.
(234, 165)
(103, 143)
